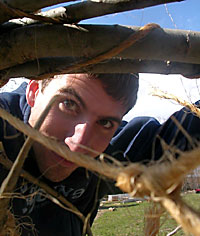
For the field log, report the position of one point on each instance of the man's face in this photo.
(83, 114)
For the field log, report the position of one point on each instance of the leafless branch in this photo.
(85, 41)
(59, 64)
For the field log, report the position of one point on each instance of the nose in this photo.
(81, 137)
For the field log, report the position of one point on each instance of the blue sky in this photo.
(186, 15)
(181, 15)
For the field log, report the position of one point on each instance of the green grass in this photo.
(128, 219)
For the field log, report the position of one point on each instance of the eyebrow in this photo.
(112, 118)
(72, 91)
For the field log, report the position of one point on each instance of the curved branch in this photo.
(20, 14)
(90, 9)
(159, 180)
(10, 181)
(32, 42)
(23, 5)
(85, 10)
(131, 40)
(44, 66)
(53, 194)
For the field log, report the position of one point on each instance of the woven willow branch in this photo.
(10, 181)
(52, 194)
(162, 94)
(132, 39)
(158, 181)
(20, 14)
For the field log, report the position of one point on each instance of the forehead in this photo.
(78, 81)
(88, 88)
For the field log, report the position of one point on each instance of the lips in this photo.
(63, 162)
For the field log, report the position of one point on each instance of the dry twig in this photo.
(159, 181)
(10, 181)
(192, 107)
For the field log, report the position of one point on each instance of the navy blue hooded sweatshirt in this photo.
(135, 141)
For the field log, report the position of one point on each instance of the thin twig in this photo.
(61, 149)
(174, 231)
(192, 107)
(53, 195)
(156, 181)
(10, 181)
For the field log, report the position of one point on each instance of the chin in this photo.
(54, 167)
(58, 173)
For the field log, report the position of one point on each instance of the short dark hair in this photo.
(120, 86)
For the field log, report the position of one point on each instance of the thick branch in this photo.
(31, 6)
(33, 42)
(44, 66)
(89, 9)
(24, 5)
(76, 12)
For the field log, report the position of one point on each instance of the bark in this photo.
(24, 5)
(31, 6)
(33, 42)
(85, 10)
(44, 66)
(89, 9)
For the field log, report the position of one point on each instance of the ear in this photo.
(31, 92)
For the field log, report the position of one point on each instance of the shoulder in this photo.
(15, 101)
(132, 138)
(141, 139)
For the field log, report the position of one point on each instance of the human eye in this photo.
(107, 124)
(70, 105)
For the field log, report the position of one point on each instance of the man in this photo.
(88, 112)
(85, 115)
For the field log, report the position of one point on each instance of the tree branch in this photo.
(132, 39)
(33, 42)
(44, 66)
(89, 9)
(20, 14)
(23, 5)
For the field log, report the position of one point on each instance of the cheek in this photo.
(100, 143)
(53, 124)
(58, 125)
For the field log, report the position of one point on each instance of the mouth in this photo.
(63, 162)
